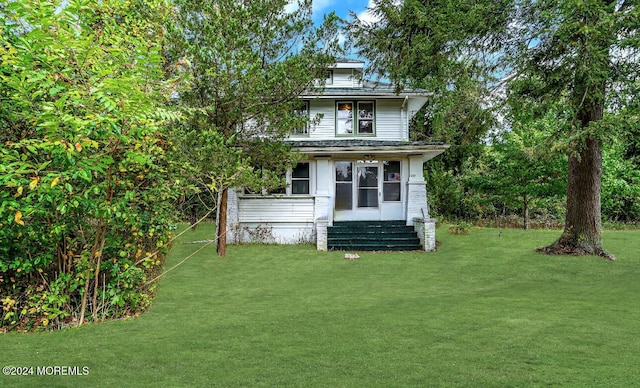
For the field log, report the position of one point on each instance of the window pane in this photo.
(368, 177)
(343, 196)
(300, 186)
(343, 171)
(391, 171)
(368, 197)
(365, 110)
(303, 111)
(365, 126)
(301, 170)
(365, 117)
(391, 192)
(344, 118)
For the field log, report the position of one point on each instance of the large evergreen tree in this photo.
(584, 52)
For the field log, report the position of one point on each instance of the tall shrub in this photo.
(85, 185)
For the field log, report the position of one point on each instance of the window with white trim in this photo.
(300, 179)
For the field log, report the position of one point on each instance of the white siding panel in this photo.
(343, 78)
(275, 210)
(389, 119)
(325, 129)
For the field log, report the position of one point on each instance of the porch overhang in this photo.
(359, 148)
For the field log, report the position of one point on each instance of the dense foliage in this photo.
(244, 65)
(572, 59)
(86, 187)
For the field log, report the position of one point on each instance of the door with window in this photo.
(368, 190)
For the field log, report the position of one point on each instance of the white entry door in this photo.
(367, 190)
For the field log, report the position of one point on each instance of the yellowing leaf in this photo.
(19, 192)
(34, 183)
(55, 181)
(17, 218)
(78, 147)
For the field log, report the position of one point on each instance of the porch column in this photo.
(321, 214)
(416, 190)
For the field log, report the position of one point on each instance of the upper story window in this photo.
(355, 118)
(329, 78)
(303, 110)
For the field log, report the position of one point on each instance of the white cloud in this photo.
(291, 7)
(366, 16)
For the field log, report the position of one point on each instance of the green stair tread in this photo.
(372, 236)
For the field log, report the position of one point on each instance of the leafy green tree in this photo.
(456, 117)
(244, 64)
(423, 44)
(86, 187)
(523, 167)
(582, 53)
(620, 183)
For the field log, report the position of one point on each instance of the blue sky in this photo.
(341, 7)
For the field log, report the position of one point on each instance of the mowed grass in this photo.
(482, 311)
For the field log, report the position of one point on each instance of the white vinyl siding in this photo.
(389, 120)
(274, 210)
(325, 129)
(344, 78)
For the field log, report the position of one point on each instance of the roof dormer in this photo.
(345, 73)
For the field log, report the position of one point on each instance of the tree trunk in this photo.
(525, 205)
(583, 225)
(221, 248)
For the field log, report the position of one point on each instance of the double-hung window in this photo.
(300, 179)
(355, 118)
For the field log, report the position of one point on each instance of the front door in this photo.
(367, 190)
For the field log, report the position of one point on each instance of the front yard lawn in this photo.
(482, 311)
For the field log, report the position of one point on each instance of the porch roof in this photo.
(362, 147)
(367, 89)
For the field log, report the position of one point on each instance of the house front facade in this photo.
(360, 173)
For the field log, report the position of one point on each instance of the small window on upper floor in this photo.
(329, 78)
(302, 111)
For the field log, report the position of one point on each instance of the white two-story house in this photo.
(360, 185)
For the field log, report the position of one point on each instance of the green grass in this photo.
(482, 311)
